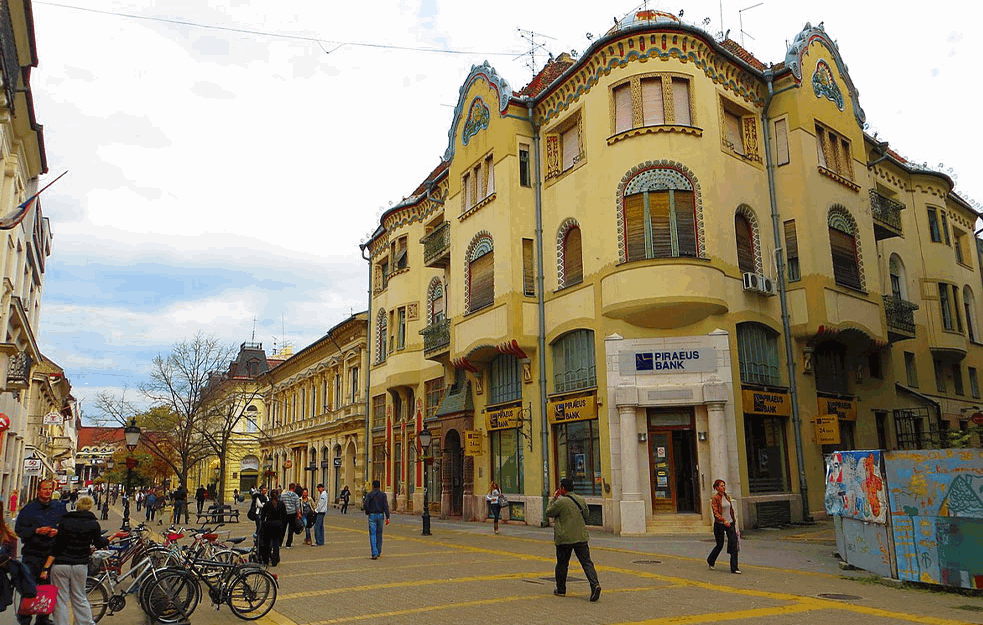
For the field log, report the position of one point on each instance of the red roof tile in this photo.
(439, 169)
(735, 48)
(88, 436)
(546, 76)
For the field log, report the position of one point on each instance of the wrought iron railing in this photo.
(886, 210)
(436, 336)
(900, 314)
(436, 242)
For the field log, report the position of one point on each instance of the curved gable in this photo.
(498, 84)
(823, 85)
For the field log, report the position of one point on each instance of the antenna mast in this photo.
(740, 18)
(534, 45)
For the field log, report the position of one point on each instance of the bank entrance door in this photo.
(672, 460)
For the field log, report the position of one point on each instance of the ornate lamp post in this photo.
(132, 435)
(426, 438)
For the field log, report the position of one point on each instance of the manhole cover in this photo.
(838, 596)
(569, 579)
(646, 561)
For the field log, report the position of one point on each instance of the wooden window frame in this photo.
(834, 152)
(669, 117)
(674, 228)
(792, 251)
(576, 347)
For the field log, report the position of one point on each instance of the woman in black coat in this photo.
(273, 521)
(78, 532)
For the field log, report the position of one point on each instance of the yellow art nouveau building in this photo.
(659, 264)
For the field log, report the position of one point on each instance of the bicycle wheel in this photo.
(251, 594)
(98, 596)
(171, 597)
(161, 557)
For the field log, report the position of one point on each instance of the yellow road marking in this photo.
(412, 583)
(366, 557)
(451, 606)
(389, 567)
(729, 615)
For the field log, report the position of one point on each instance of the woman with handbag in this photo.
(68, 564)
(273, 521)
(724, 522)
(307, 509)
(495, 500)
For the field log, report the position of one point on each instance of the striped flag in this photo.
(6, 223)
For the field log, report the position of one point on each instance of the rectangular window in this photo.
(399, 253)
(954, 302)
(573, 362)
(524, 166)
(880, 421)
(957, 379)
(506, 458)
(939, 375)
(489, 175)
(874, 365)
(974, 383)
(757, 354)
(466, 196)
(945, 227)
(379, 411)
(766, 454)
(834, 152)
(401, 328)
(383, 273)
(660, 224)
(578, 455)
(623, 108)
(353, 384)
(482, 281)
(653, 102)
(911, 369)
(337, 391)
(933, 225)
(792, 251)
(844, 252)
(781, 142)
(680, 102)
(960, 241)
(570, 145)
(434, 392)
(528, 268)
(392, 331)
(733, 134)
(945, 305)
(505, 380)
(379, 461)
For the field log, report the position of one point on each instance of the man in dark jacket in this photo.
(180, 497)
(376, 506)
(200, 497)
(570, 535)
(37, 527)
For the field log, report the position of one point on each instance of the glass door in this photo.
(663, 477)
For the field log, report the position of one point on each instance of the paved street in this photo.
(465, 573)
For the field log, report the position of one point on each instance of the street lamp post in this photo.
(426, 438)
(132, 435)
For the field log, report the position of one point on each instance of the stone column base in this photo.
(632, 518)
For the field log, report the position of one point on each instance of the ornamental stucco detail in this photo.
(824, 85)
(800, 48)
(747, 212)
(839, 218)
(501, 86)
(477, 120)
(654, 175)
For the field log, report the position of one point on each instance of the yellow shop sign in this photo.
(472, 442)
(568, 409)
(828, 429)
(503, 418)
(844, 408)
(760, 402)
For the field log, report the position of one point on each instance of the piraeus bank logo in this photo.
(669, 361)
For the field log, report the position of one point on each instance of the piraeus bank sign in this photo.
(692, 360)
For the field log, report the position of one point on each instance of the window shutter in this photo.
(745, 243)
(820, 146)
(528, 262)
(844, 250)
(635, 227)
(480, 176)
(437, 305)
(570, 140)
(846, 159)
(653, 106)
(661, 225)
(791, 241)
(781, 142)
(490, 169)
(482, 275)
(573, 266)
(685, 209)
(680, 101)
(622, 108)
(733, 123)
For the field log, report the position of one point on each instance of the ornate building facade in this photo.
(660, 264)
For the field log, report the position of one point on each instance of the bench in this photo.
(219, 514)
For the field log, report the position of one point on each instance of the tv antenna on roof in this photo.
(740, 21)
(534, 45)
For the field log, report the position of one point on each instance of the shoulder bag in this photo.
(584, 512)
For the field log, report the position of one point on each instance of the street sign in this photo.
(828, 429)
(978, 418)
(32, 467)
(472, 442)
(53, 418)
(337, 462)
(4, 422)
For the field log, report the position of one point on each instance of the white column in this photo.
(632, 505)
(719, 458)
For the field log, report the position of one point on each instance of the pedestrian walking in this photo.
(68, 563)
(105, 508)
(180, 499)
(37, 527)
(494, 498)
(256, 508)
(150, 505)
(570, 535)
(12, 502)
(376, 507)
(320, 510)
(140, 497)
(200, 497)
(345, 497)
(291, 501)
(236, 497)
(307, 510)
(724, 522)
(273, 520)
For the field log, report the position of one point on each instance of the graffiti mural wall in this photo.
(855, 486)
(936, 499)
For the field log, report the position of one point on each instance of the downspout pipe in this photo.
(541, 305)
(776, 224)
(368, 367)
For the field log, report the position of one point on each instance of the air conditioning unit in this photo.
(759, 283)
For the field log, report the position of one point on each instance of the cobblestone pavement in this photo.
(465, 573)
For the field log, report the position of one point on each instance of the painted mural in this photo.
(936, 499)
(855, 486)
(865, 545)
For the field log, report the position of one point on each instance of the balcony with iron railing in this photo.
(900, 315)
(437, 246)
(436, 337)
(887, 216)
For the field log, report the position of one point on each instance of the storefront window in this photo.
(578, 455)
(379, 462)
(433, 477)
(767, 462)
(506, 457)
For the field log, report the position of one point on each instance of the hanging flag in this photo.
(24, 208)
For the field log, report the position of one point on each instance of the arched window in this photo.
(660, 215)
(381, 331)
(481, 273)
(505, 379)
(969, 307)
(570, 263)
(573, 361)
(899, 286)
(252, 416)
(436, 306)
(757, 349)
(844, 248)
(744, 235)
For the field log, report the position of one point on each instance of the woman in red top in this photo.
(724, 522)
(13, 502)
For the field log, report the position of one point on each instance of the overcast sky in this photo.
(219, 176)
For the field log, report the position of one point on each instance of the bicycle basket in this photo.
(99, 561)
